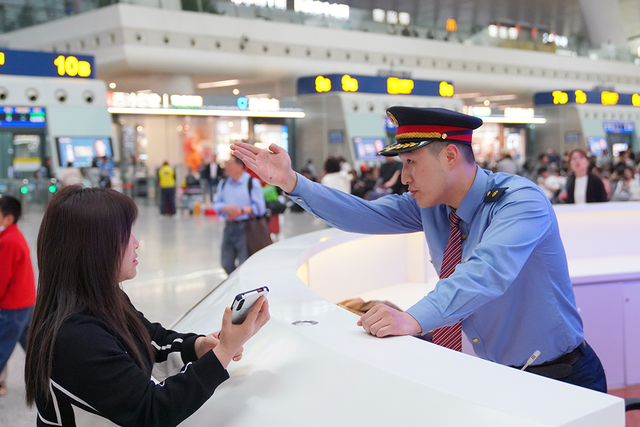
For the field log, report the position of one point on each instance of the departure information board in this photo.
(22, 117)
(373, 84)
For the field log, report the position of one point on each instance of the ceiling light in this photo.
(236, 91)
(221, 83)
(466, 95)
(112, 85)
(508, 97)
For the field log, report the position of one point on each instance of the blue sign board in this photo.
(618, 127)
(562, 97)
(373, 84)
(46, 64)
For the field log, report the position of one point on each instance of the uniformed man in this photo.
(493, 239)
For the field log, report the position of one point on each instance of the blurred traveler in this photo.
(17, 285)
(238, 198)
(211, 174)
(543, 162)
(91, 355)
(507, 164)
(512, 295)
(334, 177)
(71, 176)
(627, 188)
(390, 172)
(582, 186)
(600, 173)
(167, 184)
(312, 169)
(94, 174)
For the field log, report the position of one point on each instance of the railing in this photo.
(14, 16)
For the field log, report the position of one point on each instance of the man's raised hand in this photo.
(273, 166)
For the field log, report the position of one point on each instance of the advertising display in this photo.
(80, 151)
(367, 149)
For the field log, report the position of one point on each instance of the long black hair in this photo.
(81, 243)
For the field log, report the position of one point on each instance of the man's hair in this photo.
(11, 206)
(240, 162)
(467, 152)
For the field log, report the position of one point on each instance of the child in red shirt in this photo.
(17, 284)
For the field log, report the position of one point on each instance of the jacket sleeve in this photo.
(92, 365)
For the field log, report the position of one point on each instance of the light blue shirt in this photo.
(511, 292)
(236, 193)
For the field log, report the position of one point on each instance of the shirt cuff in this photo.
(303, 187)
(427, 315)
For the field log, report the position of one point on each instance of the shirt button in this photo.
(464, 237)
(476, 340)
(299, 199)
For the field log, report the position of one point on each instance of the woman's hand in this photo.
(209, 342)
(233, 337)
(272, 166)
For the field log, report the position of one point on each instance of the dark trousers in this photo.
(234, 245)
(588, 372)
(168, 201)
(13, 330)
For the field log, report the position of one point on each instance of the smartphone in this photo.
(243, 302)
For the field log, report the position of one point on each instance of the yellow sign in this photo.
(323, 84)
(581, 97)
(609, 98)
(397, 86)
(446, 89)
(452, 25)
(349, 84)
(560, 97)
(71, 67)
(1, 58)
(635, 100)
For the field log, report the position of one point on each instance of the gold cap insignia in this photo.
(393, 119)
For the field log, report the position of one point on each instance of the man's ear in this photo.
(8, 220)
(451, 155)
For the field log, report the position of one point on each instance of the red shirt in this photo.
(17, 284)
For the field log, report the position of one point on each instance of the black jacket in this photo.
(595, 189)
(94, 378)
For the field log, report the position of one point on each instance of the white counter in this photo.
(333, 373)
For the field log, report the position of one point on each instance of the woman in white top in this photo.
(628, 188)
(334, 177)
(582, 186)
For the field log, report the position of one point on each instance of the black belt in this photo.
(558, 368)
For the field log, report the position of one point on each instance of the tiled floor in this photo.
(179, 263)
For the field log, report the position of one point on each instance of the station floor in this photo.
(179, 264)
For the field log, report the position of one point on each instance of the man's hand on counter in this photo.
(383, 321)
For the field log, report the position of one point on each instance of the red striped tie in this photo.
(451, 336)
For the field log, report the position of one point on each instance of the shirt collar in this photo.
(474, 196)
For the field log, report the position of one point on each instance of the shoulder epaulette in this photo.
(494, 194)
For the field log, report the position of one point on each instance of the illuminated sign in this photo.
(44, 64)
(445, 89)
(479, 111)
(396, 86)
(70, 66)
(187, 101)
(519, 112)
(323, 84)
(618, 127)
(609, 98)
(313, 7)
(22, 117)
(451, 25)
(276, 4)
(560, 97)
(264, 104)
(349, 84)
(370, 84)
(587, 97)
(152, 100)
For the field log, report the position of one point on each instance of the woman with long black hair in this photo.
(92, 359)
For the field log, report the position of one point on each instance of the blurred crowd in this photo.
(575, 177)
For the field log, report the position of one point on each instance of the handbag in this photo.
(258, 234)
